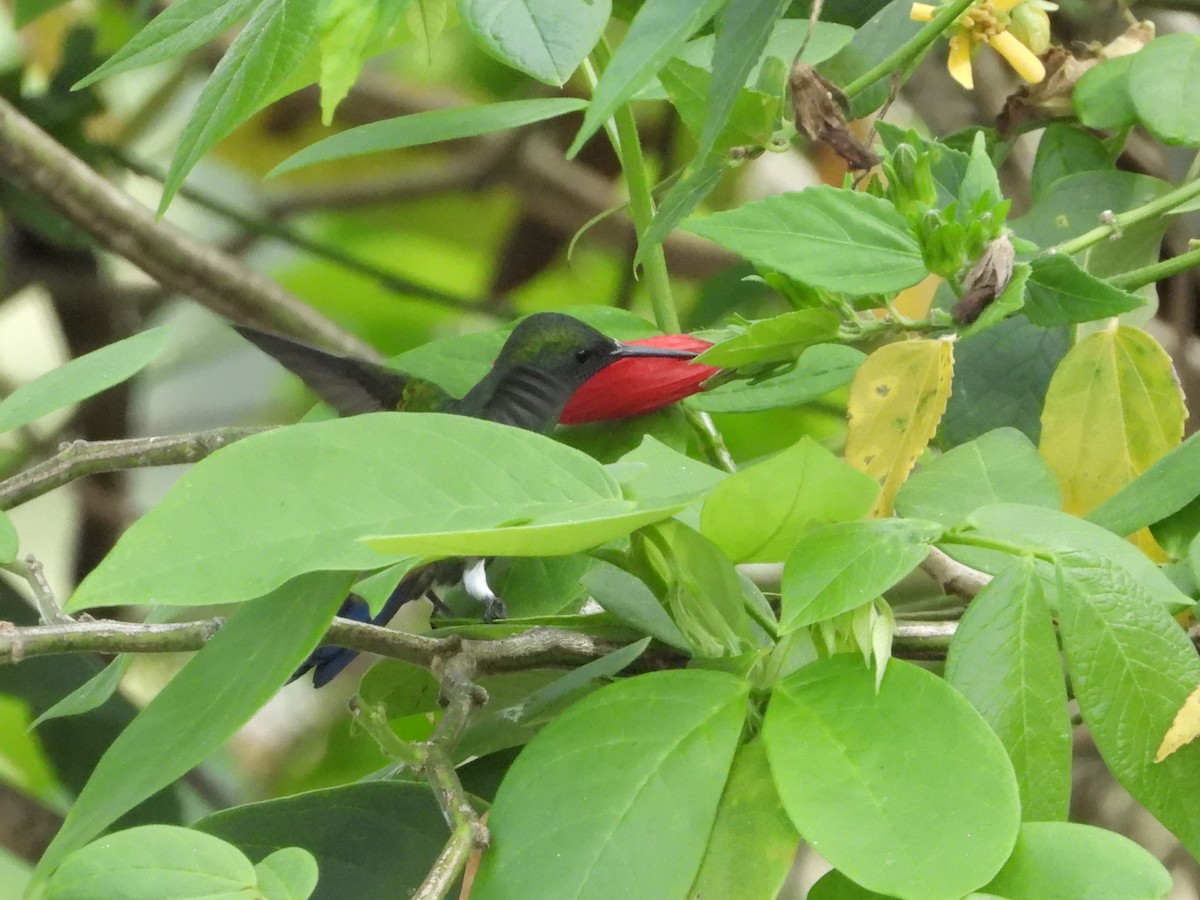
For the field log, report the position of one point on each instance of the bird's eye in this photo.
(582, 355)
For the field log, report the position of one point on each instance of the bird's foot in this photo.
(475, 581)
(494, 610)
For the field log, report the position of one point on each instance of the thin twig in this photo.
(35, 161)
(44, 600)
(952, 576)
(80, 458)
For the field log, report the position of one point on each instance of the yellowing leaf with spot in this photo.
(1114, 407)
(1184, 729)
(896, 401)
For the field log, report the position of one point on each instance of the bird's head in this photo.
(568, 350)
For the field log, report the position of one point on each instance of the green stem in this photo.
(911, 50)
(1136, 278)
(969, 539)
(628, 147)
(1129, 218)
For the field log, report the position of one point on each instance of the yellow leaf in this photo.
(1184, 729)
(1113, 407)
(896, 401)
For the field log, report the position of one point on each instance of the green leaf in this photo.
(428, 128)
(213, 696)
(821, 368)
(540, 586)
(758, 514)
(287, 874)
(178, 29)
(1066, 861)
(1162, 490)
(1061, 293)
(656, 34)
(403, 688)
(1164, 82)
(232, 528)
(751, 825)
(1039, 530)
(1004, 659)
(782, 337)
(90, 695)
(886, 30)
(698, 181)
(152, 862)
(1065, 150)
(826, 237)
(743, 28)
(348, 29)
(833, 885)
(1001, 466)
(261, 58)
(628, 598)
(9, 542)
(1131, 668)
(546, 39)
(906, 789)
(653, 474)
(398, 831)
(1000, 379)
(704, 592)
(1102, 97)
(630, 816)
(81, 378)
(842, 566)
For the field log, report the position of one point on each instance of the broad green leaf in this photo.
(630, 816)
(1004, 659)
(1061, 293)
(398, 831)
(897, 398)
(653, 473)
(1066, 861)
(546, 39)
(1132, 667)
(1114, 407)
(271, 46)
(656, 34)
(428, 128)
(1032, 529)
(842, 566)
(568, 529)
(704, 591)
(287, 874)
(9, 542)
(1165, 488)
(213, 696)
(906, 789)
(1001, 466)
(81, 378)
(540, 586)
(1174, 533)
(152, 862)
(751, 825)
(758, 514)
(743, 29)
(782, 337)
(1164, 83)
(347, 29)
(627, 598)
(826, 237)
(1000, 378)
(235, 526)
(820, 369)
(180, 28)
(426, 20)
(1101, 96)
(1066, 149)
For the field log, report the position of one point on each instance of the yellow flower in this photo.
(1019, 30)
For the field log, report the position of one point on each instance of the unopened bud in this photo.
(986, 281)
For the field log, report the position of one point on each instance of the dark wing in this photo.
(351, 386)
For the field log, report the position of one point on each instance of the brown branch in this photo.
(536, 648)
(33, 160)
(80, 458)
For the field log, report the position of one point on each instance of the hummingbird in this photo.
(545, 360)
